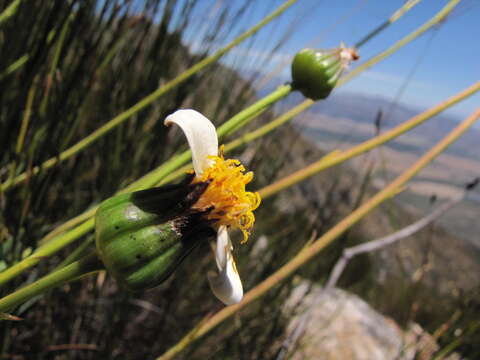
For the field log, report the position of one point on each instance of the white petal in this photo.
(223, 243)
(201, 136)
(226, 284)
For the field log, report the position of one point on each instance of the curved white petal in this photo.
(201, 136)
(226, 284)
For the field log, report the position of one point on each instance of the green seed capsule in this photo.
(316, 72)
(143, 236)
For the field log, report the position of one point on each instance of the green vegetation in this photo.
(116, 69)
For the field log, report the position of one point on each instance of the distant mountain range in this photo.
(365, 109)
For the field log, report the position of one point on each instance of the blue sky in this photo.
(438, 64)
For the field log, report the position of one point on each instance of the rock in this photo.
(341, 326)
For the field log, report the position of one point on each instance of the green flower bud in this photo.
(316, 72)
(143, 236)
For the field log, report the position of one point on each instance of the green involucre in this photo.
(143, 236)
(315, 72)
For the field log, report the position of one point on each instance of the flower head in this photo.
(225, 201)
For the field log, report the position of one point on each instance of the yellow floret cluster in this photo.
(225, 195)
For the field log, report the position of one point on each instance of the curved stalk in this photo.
(9, 11)
(75, 270)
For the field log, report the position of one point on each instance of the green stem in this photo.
(76, 254)
(23, 128)
(119, 119)
(46, 250)
(14, 66)
(248, 114)
(84, 266)
(441, 354)
(9, 11)
(55, 61)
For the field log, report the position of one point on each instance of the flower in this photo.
(225, 202)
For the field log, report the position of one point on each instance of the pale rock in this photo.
(341, 326)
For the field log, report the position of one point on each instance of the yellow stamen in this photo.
(225, 195)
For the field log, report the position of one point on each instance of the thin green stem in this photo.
(46, 250)
(77, 253)
(55, 61)
(17, 64)
(23, 128)
(9, 11)
(84, 266)
(119, 119)
(309, 252)
(248, 114)
(441, 354)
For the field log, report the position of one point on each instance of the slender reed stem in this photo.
(23, 128)
(122, 117)
(9, 11)
(17, 64)
(84, 266)
(46, 250)
(55, 61)
(309, 252)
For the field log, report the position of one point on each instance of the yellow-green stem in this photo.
(84, 266)
(23, 128)
(309, 252)
(9, 11)
(119, 119)
(46, 250)
(17, 64)
(55, 61)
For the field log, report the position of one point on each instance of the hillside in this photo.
(345, 120)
